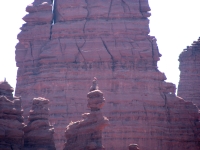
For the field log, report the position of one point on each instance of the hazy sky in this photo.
(175, 24)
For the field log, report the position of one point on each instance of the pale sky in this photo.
(175, 24)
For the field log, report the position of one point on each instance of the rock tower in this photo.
(38, 133)
(189, 85)
(65, 43)
(86, 134)
(11, 120)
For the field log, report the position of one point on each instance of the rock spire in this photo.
(189, 83)
(38, 133)
(11, 120)
(86, 134)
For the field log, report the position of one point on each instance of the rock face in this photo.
(189, 84)
(11, 120)
(86, 134)
(38, 134)
(107, 39)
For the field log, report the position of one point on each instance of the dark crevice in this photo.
(88, 13)
(140, 7)
(124, 4)
(110, 8)
(80, 50)
(167, 109)
(153, 63)
(31, 49)
(107, 49)
(53, 18)
(113, 61)
(60, 46)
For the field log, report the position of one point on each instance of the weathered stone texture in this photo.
(38, 133)
(11, 120)
(107, 39)
(189, 84)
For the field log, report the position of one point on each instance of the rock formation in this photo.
(38, 134)
(86, 134)
(11, 121)
(108, 39)
(133, 147)
(189, 85)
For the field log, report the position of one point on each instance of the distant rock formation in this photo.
(86, 134)
(189, 84)
(6, 89)
(58, 53)
(11, 120)
(38, 134)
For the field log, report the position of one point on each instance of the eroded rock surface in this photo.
(11, 120)
(86, 134)
(108, 39)
(38, 133)
(189, 85)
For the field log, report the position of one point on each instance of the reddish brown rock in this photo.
(133, 147)
(86, 134)
(110, 40)
(38, 133)
(189, 83)
(11, 120)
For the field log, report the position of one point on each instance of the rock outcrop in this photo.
(86, 134)
(108, 39)
(11, 120)
(38, 133)
(133, 147)
(189, 84)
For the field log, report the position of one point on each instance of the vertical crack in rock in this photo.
(104, 44)
(151, 42)
(88, 13)
(125, 4)
(31, 49)
(167, 109)
(113, 62)
(80, 49)
(60, 47)
(110, 8)
(53, 17)
(140, 7)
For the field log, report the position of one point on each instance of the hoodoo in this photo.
(86, 134)
(61, 47)
(11, 120)
(38, 133)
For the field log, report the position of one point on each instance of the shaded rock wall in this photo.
(38, 133)
(107, 39)
(189, 83)
(11, 120)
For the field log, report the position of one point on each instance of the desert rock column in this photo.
(189, 84)
(38, 134)
(11, 120)
(86, 134)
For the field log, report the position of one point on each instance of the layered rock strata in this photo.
(189, 84)
(38, 133)
(108, 39)
(11, 120)
(86, 134)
